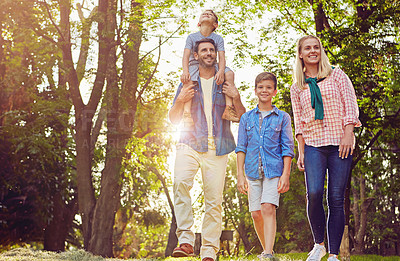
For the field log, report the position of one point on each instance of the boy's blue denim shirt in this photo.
(198, 137)
(273, 143)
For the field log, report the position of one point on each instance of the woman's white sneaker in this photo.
(333, 258)
(316, 253)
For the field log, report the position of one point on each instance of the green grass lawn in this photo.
(26, 254)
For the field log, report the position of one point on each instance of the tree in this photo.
(37, 189)
(126, 87)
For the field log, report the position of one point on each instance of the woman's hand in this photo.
(346, 145)
(300, 162)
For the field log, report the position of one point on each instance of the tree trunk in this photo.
(362, 225)
(86, 199)
(172, 238)
(321, 21)
(243, 235)
(56, 232)
(345, 245)
(101, 242)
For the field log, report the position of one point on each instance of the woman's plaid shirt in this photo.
(340, 109)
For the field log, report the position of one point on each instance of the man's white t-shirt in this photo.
(206, 86)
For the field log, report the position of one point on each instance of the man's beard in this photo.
(207, 65)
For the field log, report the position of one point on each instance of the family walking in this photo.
(325, 112)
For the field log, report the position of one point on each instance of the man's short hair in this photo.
(204, 40)
(266, 76)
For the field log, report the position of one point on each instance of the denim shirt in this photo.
(198, 137)
(272, 141)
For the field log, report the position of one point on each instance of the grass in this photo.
(28, 254)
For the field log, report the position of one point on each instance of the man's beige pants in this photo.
(213, 168)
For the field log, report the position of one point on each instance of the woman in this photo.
(325, 113)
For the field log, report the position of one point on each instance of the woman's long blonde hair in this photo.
(324, 66)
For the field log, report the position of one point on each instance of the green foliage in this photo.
(363, 40)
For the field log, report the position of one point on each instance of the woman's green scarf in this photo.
(316, 98)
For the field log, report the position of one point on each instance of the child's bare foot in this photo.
(230, 114)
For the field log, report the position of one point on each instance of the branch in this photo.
(106, 36)
(52, 20)
(44, 36)
(83, 54)
(97, 127)
(294, 21)
(144, 103)
(152, 74)
(165, 187)
(373, 140)
(161, 43)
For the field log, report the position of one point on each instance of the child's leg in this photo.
(259, 226)
(268, 212)
(229, 77)
(187, 106)
(230, 113)
(187, 115)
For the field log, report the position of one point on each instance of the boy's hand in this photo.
(283, 184)
(300, 162)
(230, 90)
(186, 93)
(185, 77)
(242, 184)
(219, 77)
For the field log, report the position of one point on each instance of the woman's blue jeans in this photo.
(317, 160)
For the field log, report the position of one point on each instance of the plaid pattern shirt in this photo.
(340, 109)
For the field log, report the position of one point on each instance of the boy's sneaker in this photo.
(333, 258)
(316, 253)
(184, 250)
(230, 114)
(267, 257)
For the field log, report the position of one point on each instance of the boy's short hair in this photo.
(204, 40)
(266, 76)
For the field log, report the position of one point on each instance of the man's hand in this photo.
(230, 90)
(219, 77)
(187, 92)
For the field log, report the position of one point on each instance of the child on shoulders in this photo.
(208, 22)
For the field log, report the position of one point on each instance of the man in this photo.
(206, 145)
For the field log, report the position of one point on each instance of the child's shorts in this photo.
(263, 191)
(194, 70)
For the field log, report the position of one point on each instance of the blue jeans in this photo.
(316, 161)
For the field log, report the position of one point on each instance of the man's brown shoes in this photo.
(184, 250)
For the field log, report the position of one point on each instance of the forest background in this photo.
(85, 138)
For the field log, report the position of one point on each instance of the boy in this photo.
(264, 153)
(208, 22)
